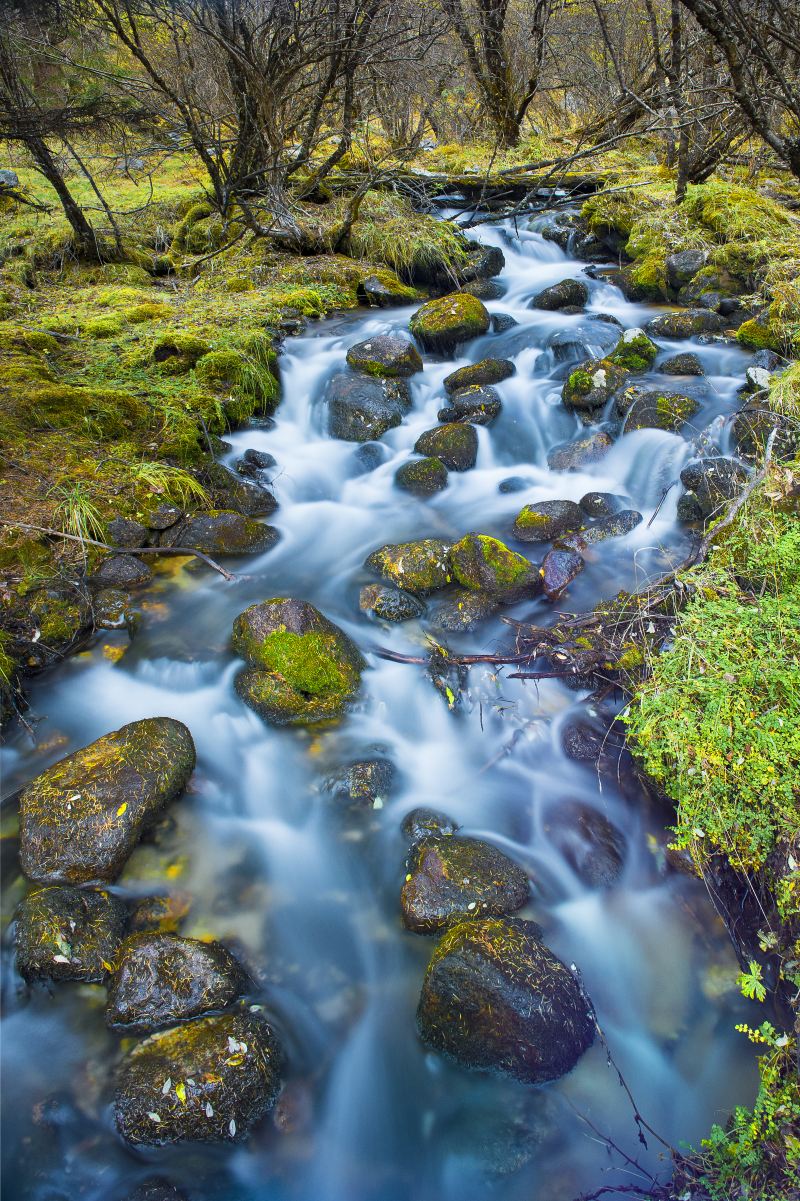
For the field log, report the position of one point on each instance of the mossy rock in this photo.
(160, 979)
(419, 567)
(446, 322)
(496, 999)
(547, 519)
(65, 933)
(685, 323)
(478, 403)
(454, 879)
(708, 287)
(455, 444)
(591, 385)
(462, 611)
(224, 1074)
(80, 819)
(160, 914)
(102, 327)
(383, 288)
(221, 532)
(573, 455)
(385, 355)
(422, 477)
(140, 314)
(653, 409)
(568, 294)
(487, 371)
(103, 411)
(485, 564)
(634, 352)
(389, 604)
(176, 353)
(761, 333)
(363, 784)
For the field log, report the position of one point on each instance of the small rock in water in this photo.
(385, 355)
(685, 323)
(121, 571)
(479, 403)
(484, 289)
(713, 481)
(419, 567)
(220, 532)
(422, 477)
(157, 1189)
(616, 525)
(484, 564)
(427, 823)
(361, 408)
(450, 879)
(364, 784)
(514, 483)
(68, 933)
(463, 611)
(559, 569)
(456, 444)
(547, 519)
(390, 604)
(261, 459)
(369, 455)
(654, 409)
(487, 371)
(602, 504)
(591, 845)
(162, 914)
(502, 322)
(571, 456)
(569, 293)
(681, 364)
(591, 385)
(757, 378)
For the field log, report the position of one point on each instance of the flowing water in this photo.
(308, 890)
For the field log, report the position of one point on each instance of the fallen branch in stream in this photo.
(118, 550)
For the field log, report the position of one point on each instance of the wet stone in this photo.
(385, 355)
(487, 371)
(456, 444)
(157, 1189)
(591, 845)
(207, 1081)
(591, 385)
(80, 819)
(602, 504)
(444, 323)
(125, 532)
(389, 604)
(479, 403)
(163, 978)
(361, 409)
(654, 409)
(368, 456)
(424, 823)
(502, 322)
(484, 289)
(419, 567)
(450, 879)
(261, 459)
(464, 611)
(163, 517)
(122, 571)
(422, 477)
(514, 483)
(496, 999)
(713, 482)
(484, 564)
(685, 323)
(112, 610)
(558, 570)
(547, 519)
(686, 363)
(615, 525)
(572, 456)
(67, 933)
(363, 784)
(222, 532)
(569, 293)
(160, 914)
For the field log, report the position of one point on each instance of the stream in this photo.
(307, 889)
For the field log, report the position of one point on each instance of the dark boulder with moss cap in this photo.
(419, 567)
(422, 477)
(634, 351)
(444, 323)
(450, 879)
(424, 823)
(487, 371)
(615, 525)
(80, 819)
(591, 385)
(455, 444)
(65, 933)
(569, 293)
(385, 355)
(160, 979)
(207, 1081)
(302, 668)
(497, 999)
(548, 519)
(484, 564)
(221, 532)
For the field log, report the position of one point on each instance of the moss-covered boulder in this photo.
(110, 413)
(65, 933)
(685, 323)
(463, 611)
(444, 323)
(559, 568)
(653, 409)
(484, 564)
(302, 668)
(487, 371)
(452, 879)
(160, 979)
(478, 403)
(389, 604)
(547, 519)
(80, 819)
(591, 385)
(385, 355)
(221, 532)
(496, 999)
(568, 294)
(361, 409)
(711, 288)
(455, 444)
(383, 288)
(683, 266)
(419, 567)
(762, 333)
(364, 783)
(634, 351)
(177, 352)
(573, 455)
(422, 477)
(208, 1081)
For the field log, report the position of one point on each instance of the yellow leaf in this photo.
(180, 1092)
(122, 808)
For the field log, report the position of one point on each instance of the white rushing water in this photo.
(309, 891)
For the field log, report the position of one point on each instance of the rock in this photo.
(713, 481)
(683, 266)
(385, 355)
(68, 934)
(224, 1074)
(502, 322)
(452, 879)
(427, 823)
(260, 459)
(230, 492)
(157, 1189)
(484, 289)
(558, 570)
(761, 332)
(381, 291)
(634, 351)
(463, 611)
(419, 567)
(478, 403)
(514, 483)
(711, 288)
(568, 293)
(361, 409)
(8, 178)
(368, 456)
(130, 163)
(754, 424)
(456, 444)
(495, 998)
(591, 385)
(591, 845)
(221, 532)
(163, 978)
(121, 571)
(685, 323)
(301, 667)
(487, 371)
(601, 504)
(653, 409)
(568, 346)
(616, 525)
(125, 532)
(681, 364)
(422, 477)
(80, 819)
(688, 509)
(442, 324)
(364, 784)
(484, 564)
(486, 261)
(160, 914)
(547, 519)
(112, 610)
(163, 517)
(756, 379)
(389, 604)
(768, 360)
(571, 456)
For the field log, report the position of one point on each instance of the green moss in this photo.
(634, 351)
(443, 323)
(141, 313)
(103, 327)
(758, 334)
(177, 352)
(418, 567)
(580, 382)
(485, 564)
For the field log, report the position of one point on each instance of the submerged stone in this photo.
(419, 567)
(451, 879)
(463, 611)
(422, 477)
(361, 409)
(364, 784)
(478, 403)
(80, 819)
(496, 999)
(559, 569)
(427, 823)
(547, 519)
(208, 1081)
(65, 933)
(385, 355)
(602, 504)
(571, 456)
(484, 564)
(591, 845)
(447, 321)
(654, 409)
(456, 444)
(390, 604)
(487, 371)
(569, 293)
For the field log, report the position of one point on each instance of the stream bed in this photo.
(307, 888)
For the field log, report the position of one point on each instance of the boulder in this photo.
(487, 371)
(301, 667)
(424, 823)
(686, 363)
(422, 477)
(444, 323)
(463, 611)
(616, 525)
(601, 504)
(381, 291)
(81, 818)
(573, 455)
(713, 481)
(163, 516)
(159, 979)
(754, 424)
(558, 570)
(364, 783)
(361, 409)
(502, 322)
(221, 532)
(230, 492)
(484, 289)
(484, 262)
(634, 351)
(385, 355)
(419, 567)
(126, 533)
(8, 178)
(65, 933)
(711, 288)
(389, 604)
(496, 999)
(569, 293)
(479, 403)
(513, 483)
(456, 444)
(685, 323)
(262, 460)
(683, 266)
(591, 386)
(547, 519)
(452, 879)
(207, 1081)
(653, 409)
(756, 379)
(483, 564)
(590, 844)
(121, 571)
